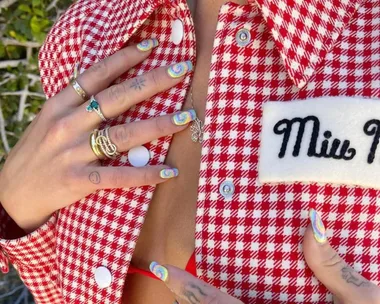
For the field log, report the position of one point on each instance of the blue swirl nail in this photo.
(318, 226)
(147, 45)
(169, 173)
(159, 271)
(179, 69)
(184, 117)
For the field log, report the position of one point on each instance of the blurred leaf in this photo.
(24, 8)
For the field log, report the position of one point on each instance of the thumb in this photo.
(346, 284)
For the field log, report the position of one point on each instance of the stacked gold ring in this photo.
(101, 144)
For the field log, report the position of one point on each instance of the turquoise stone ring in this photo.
(94, 106)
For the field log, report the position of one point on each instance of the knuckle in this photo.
(161, 125)
(332, 260)
(124, 54)
(115, 93)
(213, 299)
(123, 134)
(70, 176)
(117, 178)
(101, 69)
(59, 129)
(156, 80)
(147, 176)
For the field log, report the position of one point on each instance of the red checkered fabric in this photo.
(249, 245)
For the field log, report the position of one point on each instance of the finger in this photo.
(99, 76)
(345, 283)
(188, 288)
(119, 98)
(137, 133)
(126, 177)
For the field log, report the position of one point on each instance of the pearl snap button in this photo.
(227, 189)
(139, 156)
(243, 37)
(177, 32)
(103, 277)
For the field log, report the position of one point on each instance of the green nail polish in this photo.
(159, 271)
(169, 173)
(147, 45)
(179, 69)
(318, 227)
(184, 117)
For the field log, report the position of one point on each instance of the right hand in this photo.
(52, 166)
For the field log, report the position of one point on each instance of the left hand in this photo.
(341, 280)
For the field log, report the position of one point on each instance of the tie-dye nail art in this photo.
(179, 69)
(159, 271)
(184, 117)
(147, 45)
(318, 227)
(169, 173)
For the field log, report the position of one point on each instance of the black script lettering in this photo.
(285, 127)
(372, 127)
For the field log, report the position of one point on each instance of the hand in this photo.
(53, 165)
(346, 284)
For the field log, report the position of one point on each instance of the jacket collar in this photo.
(305, 31)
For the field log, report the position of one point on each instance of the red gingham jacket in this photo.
(247, 245)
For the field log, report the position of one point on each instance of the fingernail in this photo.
(147, 45)
(318, 227)
(184, 117)
(179, 69)
(169, 173)
(159, 271)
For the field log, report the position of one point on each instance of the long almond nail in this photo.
(318, 227)
(159, 271)
(169, 173)
(147, 45)
(179, 69)
(184, 117)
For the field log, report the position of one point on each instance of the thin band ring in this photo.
(76, 86)
(94, 106)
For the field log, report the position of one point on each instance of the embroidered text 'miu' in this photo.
(327, 148)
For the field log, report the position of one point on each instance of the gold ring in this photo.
(108, 148)
(94, 145)
(76, 86)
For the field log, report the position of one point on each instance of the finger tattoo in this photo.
(191, 293)
(138, 83)
(350, 276)
(94, 177)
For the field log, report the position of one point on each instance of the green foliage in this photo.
(25, 21)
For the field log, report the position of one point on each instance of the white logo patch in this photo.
(328, 140)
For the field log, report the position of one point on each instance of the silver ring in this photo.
(94, 106)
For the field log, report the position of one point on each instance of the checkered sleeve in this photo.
(33, 255)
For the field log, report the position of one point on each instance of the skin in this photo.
(67, 165)
(168, 232)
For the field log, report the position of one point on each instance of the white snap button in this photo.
(177, 32)
(103, 277)
(139, 156)
(243, 37)
(227, 189)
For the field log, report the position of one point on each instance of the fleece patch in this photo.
(327, 139)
